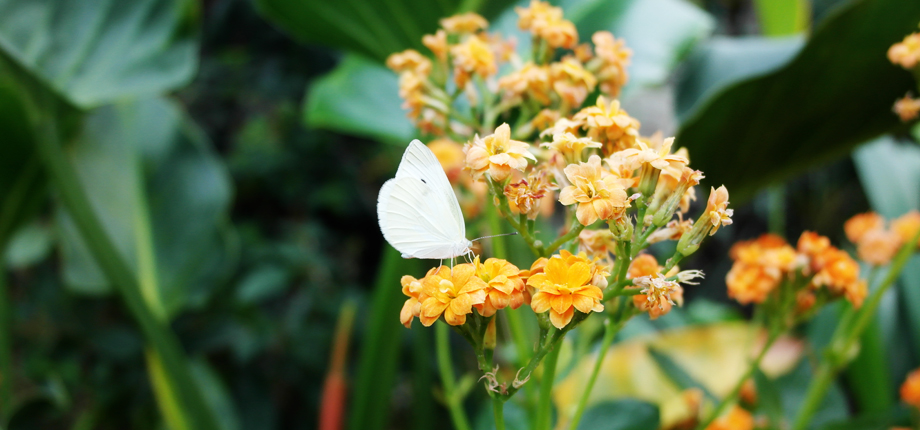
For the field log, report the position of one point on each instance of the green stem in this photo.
(576, 229)
(736, 391)
(497, 409)
(610, 331)
(836, 354)
(544, 406)
(109, 259)
(499, 250)
(454, 403)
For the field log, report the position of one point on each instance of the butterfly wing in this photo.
(412, 218)
(418, 211)
(419, 162)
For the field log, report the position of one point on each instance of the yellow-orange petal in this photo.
(540, 302)
(560, 320)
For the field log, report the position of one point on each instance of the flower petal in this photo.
(540, 302)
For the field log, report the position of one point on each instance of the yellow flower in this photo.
(472, 56)
(545, 119)
(598, 195)
(526, 195)
(907, 225)
(451, 292)
(615, 57)
(907, 52)
(623, 168)
(412, 91)
(610, 125)
(597, 243)
(736, 419)
(673, 230)
(910, 390)
(546, 22)
(563, 287)
(504, 286)
(907, 108)
(464, 23)
(570, 146)
(571, 81)
(530, 81)
(717, 208)
(437, 43)
(659, 157)
(497, 154)
(409, 60)
(411, 287)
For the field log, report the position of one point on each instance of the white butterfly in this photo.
(418, 211)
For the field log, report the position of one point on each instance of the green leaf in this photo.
(783, 17)
(359, 97)
(837, 92)
(621, 415)
(28, 246)
(150, 176)
(262, 283)
(96, 51)
(894, 417)
(677, 374)
(373, 28)
(659, 32)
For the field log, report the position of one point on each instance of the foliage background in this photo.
(233, 151)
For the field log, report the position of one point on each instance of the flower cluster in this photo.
(906, 54)
(564, 283)
(768, 267)
(910, 390)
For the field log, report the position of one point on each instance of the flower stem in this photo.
(454, 403)
(736, 391)
(544, 407)
(497, 409)
(576, 229)
(610, 331)
(836, 355)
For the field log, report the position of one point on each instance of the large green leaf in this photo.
(372, 28)
(621, 415)
(150, 175)
(359, 97)
(96, 51)
(836, 93)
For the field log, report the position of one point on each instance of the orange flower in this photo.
(608, 124)
(597, 243)
(615, 56)
(571, 81)
(836, 270)
(563, 287)
(546, 22)
(760, 266)
(437, 44)
(907, 52)
(860, 224)
(497, 154)
(658, 296)
(410, 287)
(878, 246)
(451, 292)
(464, 23)
(526, 195)
(472, 56)
(504, 286)
(599, 196)
(907, 108)
(910, 390)
(643, 265)
(907, 225)
(736, 419)
(812, 244)
(570, 146)
(717, 208)
(530, 81)
(409, 61)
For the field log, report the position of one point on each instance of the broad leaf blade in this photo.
(836, 93)
(97, 51)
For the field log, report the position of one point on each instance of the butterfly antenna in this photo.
(495, 235)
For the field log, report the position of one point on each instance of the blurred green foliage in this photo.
(233, 168)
